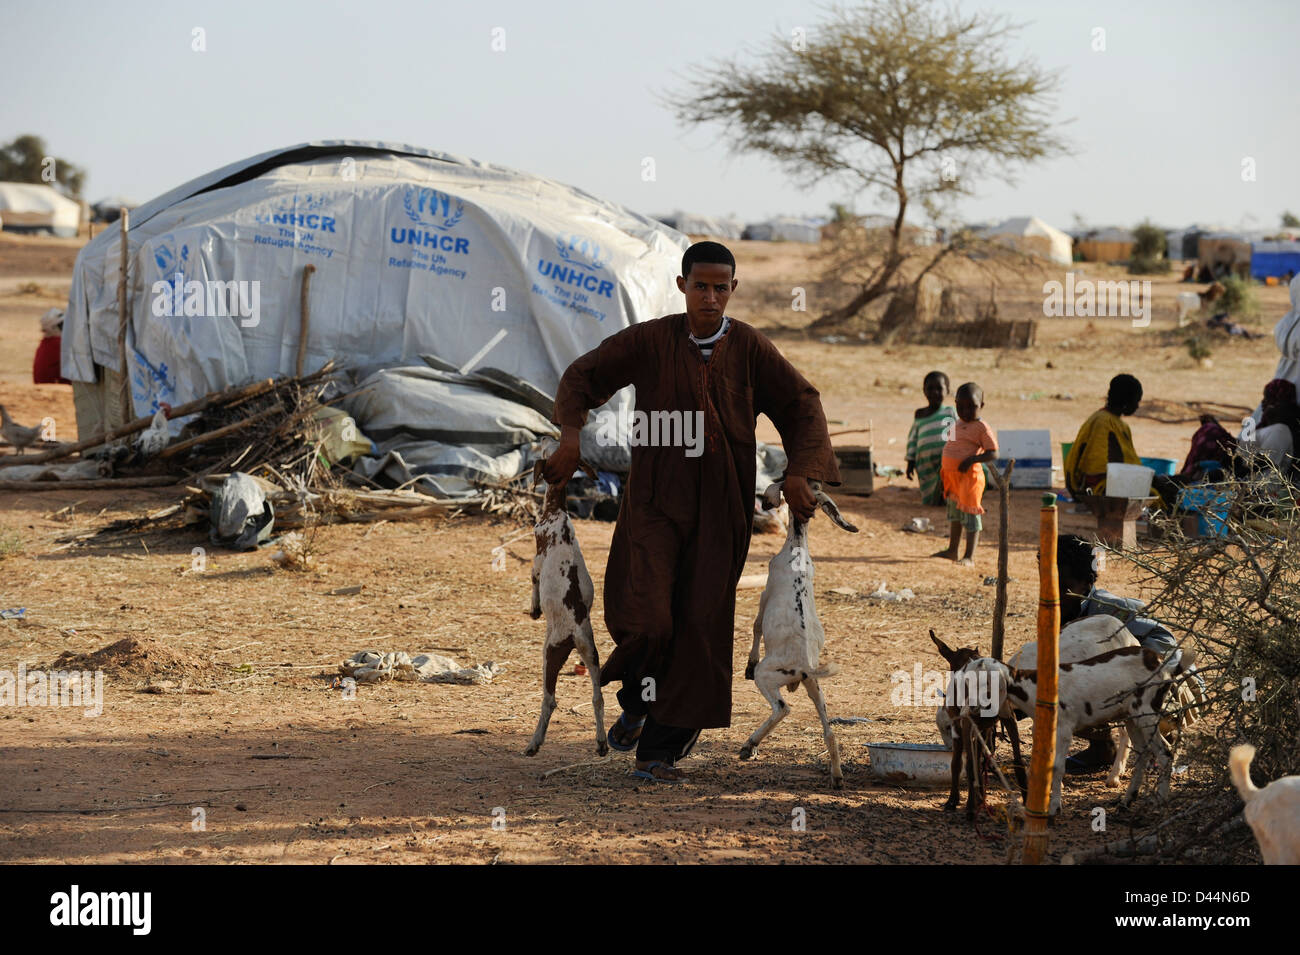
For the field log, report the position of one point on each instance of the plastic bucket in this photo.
(1128, 480)
(1065, 450)
(1165, 466)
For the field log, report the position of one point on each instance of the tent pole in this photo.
(127, 410)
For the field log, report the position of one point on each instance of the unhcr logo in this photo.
(579, 259)
(302, 212)
(1085, 298)
(433, 208)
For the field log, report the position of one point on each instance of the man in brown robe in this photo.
(687, 511)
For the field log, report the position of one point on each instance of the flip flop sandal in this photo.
(649, 772)
(629, 733)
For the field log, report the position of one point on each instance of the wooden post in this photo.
(1049, 625)
(128, 411)
(1003, 481)
(305, 324)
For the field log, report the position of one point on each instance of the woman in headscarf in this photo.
(1104, 438)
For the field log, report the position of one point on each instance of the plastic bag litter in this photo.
(241, 516)
(884, 593)
(919, 525)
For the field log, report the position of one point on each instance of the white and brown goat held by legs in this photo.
(562, 590)
(792, 635)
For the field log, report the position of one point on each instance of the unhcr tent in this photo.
(784, 229)
(30, 207)
(715, 227)
(416, 253)
(1034, 236)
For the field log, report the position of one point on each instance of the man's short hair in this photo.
(1124, 389)
(707, 253)
(1075, 559)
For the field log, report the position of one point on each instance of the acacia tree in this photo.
(896, 97)
(26, 159)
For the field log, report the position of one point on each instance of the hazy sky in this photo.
(1162, 119)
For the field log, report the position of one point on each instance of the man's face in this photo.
(707, 290)
(935, 390)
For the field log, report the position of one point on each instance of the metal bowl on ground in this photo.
(911, 764)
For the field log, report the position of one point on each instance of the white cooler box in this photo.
(1033, 453)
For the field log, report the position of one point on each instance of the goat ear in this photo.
(833, 512)
(945, 651)
(772, 496)
(538, 468)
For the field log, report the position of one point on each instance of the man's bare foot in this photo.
(946, 554)
(966, 562)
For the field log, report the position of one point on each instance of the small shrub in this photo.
(10, 544)
(1198, 348)
(1238, 298)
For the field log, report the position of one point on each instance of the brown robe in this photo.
(684, 525)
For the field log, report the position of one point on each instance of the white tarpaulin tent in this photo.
(26, 206)
(784, 229)
(716, 227)
(415, 252)
(1031, 234)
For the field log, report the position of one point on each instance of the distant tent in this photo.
(783, 229)
(1274, 260)
(1032, 235)
(715, 227)
(31, 207)
(1224, 253)
(109, 209)
(1106, 245)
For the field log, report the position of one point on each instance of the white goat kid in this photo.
(562, 589)
(1126, 684)
(1273, 812)
(791, 634)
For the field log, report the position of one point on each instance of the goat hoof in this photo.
(602, 748)
(749, 672)
(837, 782)
(531, 750)
(950, 807)
(746, 752)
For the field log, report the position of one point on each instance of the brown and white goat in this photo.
(563, 591)
(1273, 812)
(792, 635)
(1128, 684)
(968, 716)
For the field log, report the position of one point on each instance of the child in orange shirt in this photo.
(969, 446)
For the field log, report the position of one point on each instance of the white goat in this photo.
(1129, 684)
(1080, 640)
(1272, 812)
(791, 633)
(562, 589)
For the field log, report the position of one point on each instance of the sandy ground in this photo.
(248, 729)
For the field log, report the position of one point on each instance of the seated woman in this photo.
(1104, 439)
(1277, 424)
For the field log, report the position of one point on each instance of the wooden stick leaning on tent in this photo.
(123, 320)
(230, 396)
(305, 324)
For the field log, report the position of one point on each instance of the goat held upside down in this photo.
(563, 591)
(792, 635)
